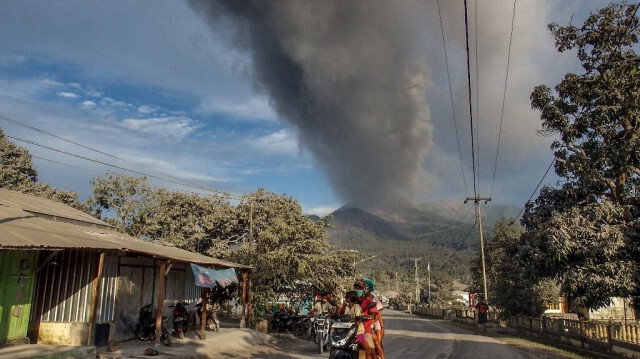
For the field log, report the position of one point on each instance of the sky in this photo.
(330, 102)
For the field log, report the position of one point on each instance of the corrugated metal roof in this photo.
(28, 222)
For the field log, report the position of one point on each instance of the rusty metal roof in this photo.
(29, 222)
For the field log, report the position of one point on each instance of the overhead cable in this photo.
(538, 186)
(504, 96)
(111, 165)
(473, 156)
(455, 122)
(183, 182)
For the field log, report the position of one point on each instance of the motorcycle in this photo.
(212, 322)
(180, 319)
(284, 321)
(320, 332)
(146, 326)
(343, 339)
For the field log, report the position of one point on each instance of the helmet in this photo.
(369, 283)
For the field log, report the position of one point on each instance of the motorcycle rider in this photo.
(322, 305)
(355, 310)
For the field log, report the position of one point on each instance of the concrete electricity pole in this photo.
(417, 281)
(429, 272)
(479, 220)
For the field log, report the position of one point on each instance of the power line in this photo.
(102, 172)
(183, 182)
(455, 122)
(467, 236)
(473, 156)
(504, 96)
(539, 183)
(475, 26)
(111, 165)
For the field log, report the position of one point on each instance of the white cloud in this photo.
(323, 210)
(256, 108)
(283, 142)
(67, 95)
(93, 93)
(163, 127)
(109, 102)
(88, 104)
(146, 109)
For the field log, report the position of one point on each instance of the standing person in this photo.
(482, 308)
(376, 324)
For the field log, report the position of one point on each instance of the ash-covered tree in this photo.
(198, 223)
(122, 201)
(584, 233)
(513, 284)
(289, 250)
(17, 173)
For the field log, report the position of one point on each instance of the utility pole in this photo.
(477, 199)
(429, 272)
(397, 288)
(417, 281)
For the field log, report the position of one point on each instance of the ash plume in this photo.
(348, 76)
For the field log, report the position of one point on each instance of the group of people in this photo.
(361, 304)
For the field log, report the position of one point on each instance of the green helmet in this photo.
(369, 283)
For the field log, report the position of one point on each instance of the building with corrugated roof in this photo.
(69, 278)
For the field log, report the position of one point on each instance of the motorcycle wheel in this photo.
(320, 339)
(141, 334)
(180, 334)
(211, 325)
(165, 338)
(309, 333)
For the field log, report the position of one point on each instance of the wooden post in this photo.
(160, 296)
(244, 297)
(203, 316)
(249, 309)
(94, 299)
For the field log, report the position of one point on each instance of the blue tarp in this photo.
(207, 277)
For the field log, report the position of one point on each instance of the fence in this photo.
(620, 339)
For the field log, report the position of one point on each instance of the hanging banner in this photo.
(209, 278)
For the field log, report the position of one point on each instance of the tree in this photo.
(585, 232)
(126, 196)
(513, 285)
(289, 251)
(201, 224)
(18, 174)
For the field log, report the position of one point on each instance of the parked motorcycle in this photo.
(320, 332)
(284, 321)
(343, 339)
(146, 326)
(180, 319)
(212, 321)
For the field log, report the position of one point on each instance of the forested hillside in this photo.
(441, 233)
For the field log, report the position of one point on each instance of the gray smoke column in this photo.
(348, 75)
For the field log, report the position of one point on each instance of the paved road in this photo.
(412, 337)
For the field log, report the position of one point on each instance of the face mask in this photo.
(359, 293)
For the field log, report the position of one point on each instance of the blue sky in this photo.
(168, 94)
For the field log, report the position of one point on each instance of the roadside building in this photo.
(69, 278)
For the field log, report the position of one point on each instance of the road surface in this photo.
(412, 337)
